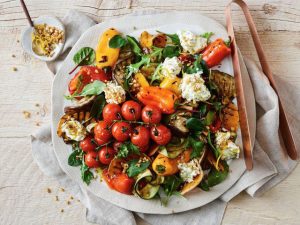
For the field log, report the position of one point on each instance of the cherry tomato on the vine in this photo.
(91, 159)
(131, 110)
(151, 114)
(87, 144)
(102, 132)
(140, 136)
(106, 154)
(160, 134)
(111, 112)
(121, 131)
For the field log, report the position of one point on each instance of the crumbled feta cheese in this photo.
(114, 93)
(193, 88)
(228, 148)
(189, 170)
(190, 42)
(171, 67)
(74, 130)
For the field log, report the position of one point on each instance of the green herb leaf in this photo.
(97, 107)
(210, 118)
(207, 35)
(86, 174)
(171, 184)
(127, 148)
(95, 88)
(216, 177)
(85, 56)
(134, 168)
(160, 168)
(203, 185)
(196, 67)
(174, 38)
(196, 145)
(75, 158)
(170, 51)
(214, 149)
(156, 75)
(195, 124)
(117, 42)
(134, 45)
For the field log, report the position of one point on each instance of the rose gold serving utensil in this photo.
(26, 13)
(283, 125)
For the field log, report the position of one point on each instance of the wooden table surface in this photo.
(26, 84)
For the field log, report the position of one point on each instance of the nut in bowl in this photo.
(45, 40)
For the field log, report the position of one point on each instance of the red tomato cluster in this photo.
(122, 123)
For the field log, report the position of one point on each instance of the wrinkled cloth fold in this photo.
(271, 165)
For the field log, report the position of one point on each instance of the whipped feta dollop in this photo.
(189, 170)
(228, 148)
(193, 88)
(171, 67)
(191, 42)
(114, 93)
(74, 130)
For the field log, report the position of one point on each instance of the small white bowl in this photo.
(27, 39)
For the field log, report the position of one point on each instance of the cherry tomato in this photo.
(151, 114)
(102, 132)
(106, 154)
(140, 136)
(117, 145)
(216, 125)
(111, 112)
(86, 75)
(121, 131)
(87, 145)
(160, 134)
(124, 184)
(91, 160)
(131, 110)
(107, 178)
(144, 149)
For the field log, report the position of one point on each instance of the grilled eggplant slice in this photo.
(230, 117)
(177, 123)
(224, 82)
(126, 58)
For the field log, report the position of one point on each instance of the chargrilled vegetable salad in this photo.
(150, 115)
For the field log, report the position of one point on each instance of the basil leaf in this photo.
(216, 177)
(134, 168)
(134, 45)
(85, 56)
(195, 124)
(117, 41)
(175, 39)
(97, 107)
(94, 88)
(86, 174)
(170, 51)
(75, 158)
(127, 148)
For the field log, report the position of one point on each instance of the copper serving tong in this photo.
(284, 126)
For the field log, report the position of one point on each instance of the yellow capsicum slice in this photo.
(171, 84)
(106, 56)
(141, 79)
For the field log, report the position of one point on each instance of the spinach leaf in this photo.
(127, 148)
(97, 107)
(86, 174)
(215, 177)
(94, 88)
(85, 56)
(170, 51)
(203, 185)
(195, 124)
(134, 45)
(175, 39)
(202, 109)
(75, 158)
(117, 42)
(196, 145)
(134, 168)
(170, 186)
(196, 67)
(214, 149)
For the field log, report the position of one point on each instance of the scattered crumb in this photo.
(13, 55)
(37, 113)
(68, 202)
(18, 41)
(62, 210)
(26, 114)
(78, 200)
(37, 104)
(37, 124)
(56, 198)
(15, 69)
(49, 190)
(61, 189)
(71, 197)
(134, 27)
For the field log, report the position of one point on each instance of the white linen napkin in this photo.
(270, 165)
